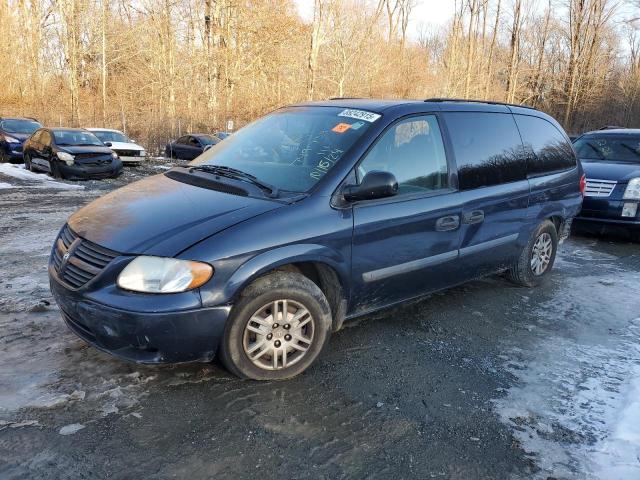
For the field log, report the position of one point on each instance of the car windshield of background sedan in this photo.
(292, 148)
(106, 136)
(76, 138)
(207, 139)
(19, 126)
(620, 148)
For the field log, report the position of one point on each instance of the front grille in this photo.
(84, 259)
(127, 153)
(599, 188)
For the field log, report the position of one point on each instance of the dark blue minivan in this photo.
(316, 213)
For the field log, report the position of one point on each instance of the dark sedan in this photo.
(611, 161)
(189, 147)
(13, 132)
(70, 153)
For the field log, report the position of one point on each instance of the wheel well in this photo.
(557, 221)
(328, 281)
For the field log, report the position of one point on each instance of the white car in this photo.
(127, 149)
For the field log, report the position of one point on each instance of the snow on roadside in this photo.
(20, 173)
(5, 185)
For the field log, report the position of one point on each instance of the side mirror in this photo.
(375, 184)
(206, 147)
(108, 144)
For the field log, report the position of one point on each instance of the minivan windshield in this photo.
(111, 136)
(20, 126)
(292, 148)
(76, 138)
(609, 148)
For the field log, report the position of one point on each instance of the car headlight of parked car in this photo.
(163, 275)
(9, 139)
(632, 191)
(114, 155)
(66, 157)
(142, 153)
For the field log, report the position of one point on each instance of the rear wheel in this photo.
(537, 257)
(277, 328)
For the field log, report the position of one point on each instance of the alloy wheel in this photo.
(541, 254)
(278, 334)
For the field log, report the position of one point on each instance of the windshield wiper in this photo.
(236, 174)
(595, 149)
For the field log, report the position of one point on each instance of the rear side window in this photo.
(548, 149)
(487, 147)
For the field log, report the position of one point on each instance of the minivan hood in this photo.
(620, 172)
(161, 216)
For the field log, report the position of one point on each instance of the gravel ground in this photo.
(487, 380)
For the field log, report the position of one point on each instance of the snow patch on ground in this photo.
(36, 179)
(575, 407)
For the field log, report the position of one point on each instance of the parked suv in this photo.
(314, 214)
(13, 133)
(611, 160)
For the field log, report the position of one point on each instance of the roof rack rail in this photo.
(611, 127)
(465, 100)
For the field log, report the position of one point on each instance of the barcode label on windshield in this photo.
(359, 114)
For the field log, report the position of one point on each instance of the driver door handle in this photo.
(448, 223)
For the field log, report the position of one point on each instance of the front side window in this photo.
(292, 148)
(609, 148)
(20, 126)
(413, 151)
(208, 139)
(193, 141)
(487, 147)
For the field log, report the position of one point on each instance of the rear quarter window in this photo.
(547, 148)
(487, 147)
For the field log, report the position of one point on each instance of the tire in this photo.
(526, 271)
(55, 169)
(27, 162)
(168, 153)
(252, 314)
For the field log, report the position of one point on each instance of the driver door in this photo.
(407, 244)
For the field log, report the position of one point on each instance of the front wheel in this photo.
(277, 328)
(537, 257)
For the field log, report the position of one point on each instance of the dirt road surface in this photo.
(487, 380)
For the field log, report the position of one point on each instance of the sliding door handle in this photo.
(448, 223)
(475, 216)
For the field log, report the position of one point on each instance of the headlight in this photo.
(66, 157)
(114, 155)
(9, 139)
(142, 153)
(632, 191)
(163, 275)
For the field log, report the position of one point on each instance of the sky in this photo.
(426, 12)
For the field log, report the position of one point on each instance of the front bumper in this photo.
(126, 159)
(13, 151)
(90, 171)
(143, 337)
(607, 211)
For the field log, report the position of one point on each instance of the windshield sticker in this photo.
(360, 115)
(357, 125)
(341, 128)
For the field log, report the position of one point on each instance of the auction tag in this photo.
(341, 128)
(359, 114)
